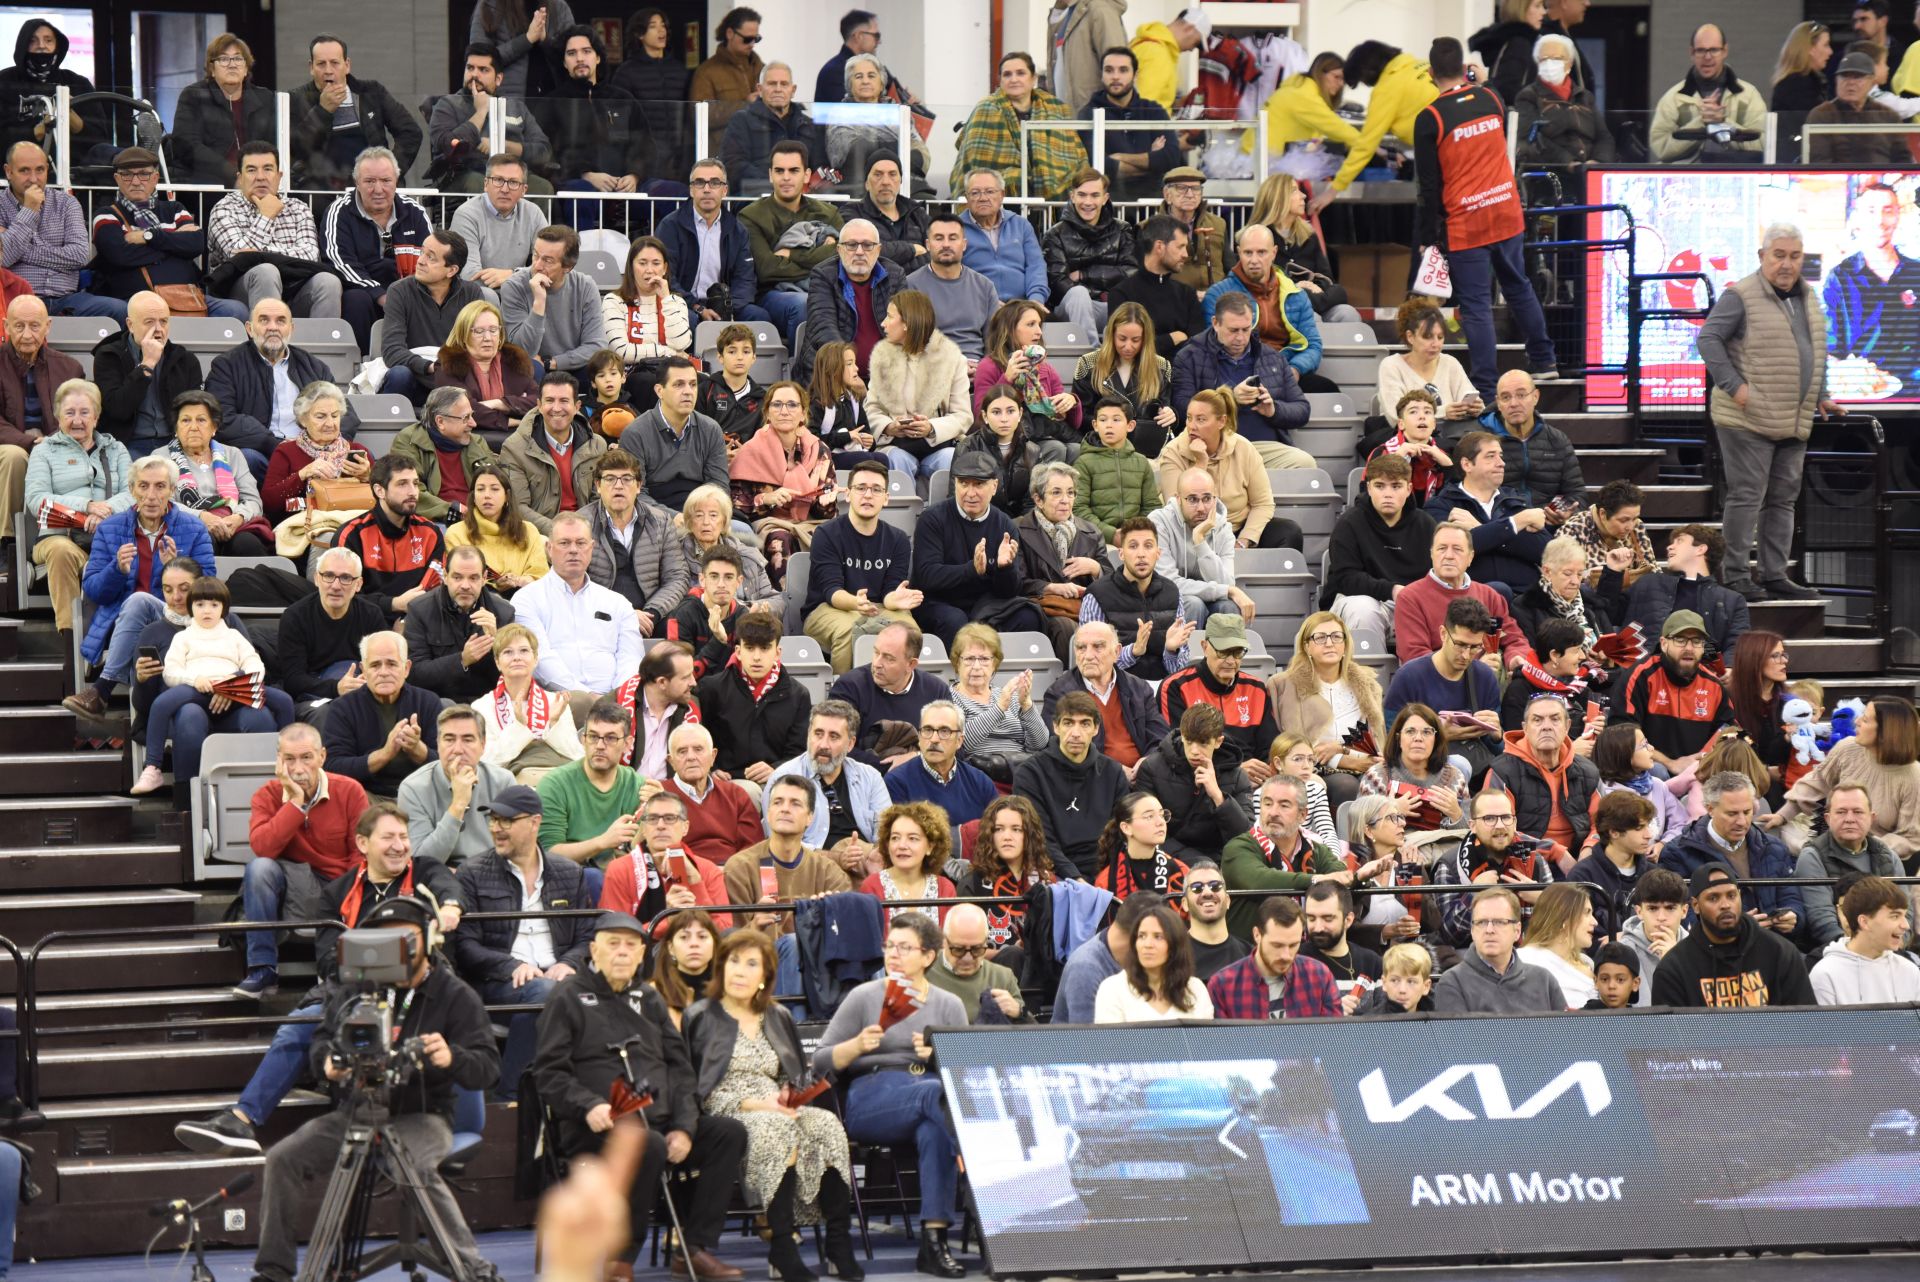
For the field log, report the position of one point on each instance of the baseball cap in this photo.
(1856, 64)
(513, 802)
(1199, 21)
(1708, 874)
(1227, 632)
(1682, 621)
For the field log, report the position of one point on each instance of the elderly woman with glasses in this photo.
(706, 521)
(1004, 724)
(852, 149)
(218, 115)
(1377, 834)
(891, 1098)
(319, 453)
(783, 479)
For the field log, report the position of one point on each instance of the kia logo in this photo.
(1496, 1104)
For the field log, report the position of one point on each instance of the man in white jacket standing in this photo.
(1867, 969)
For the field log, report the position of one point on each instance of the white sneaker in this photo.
(150, 780)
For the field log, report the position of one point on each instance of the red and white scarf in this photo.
(539, 709)
(1267, 849)
(758, 689)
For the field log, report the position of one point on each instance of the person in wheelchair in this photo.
(457, 1050)
(600, 1026)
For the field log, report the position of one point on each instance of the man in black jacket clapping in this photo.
(600, 1026)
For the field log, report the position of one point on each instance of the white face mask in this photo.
(1553, 71)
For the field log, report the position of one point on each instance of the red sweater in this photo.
(1421, 612)
(321, 838)
(621, 893)
(721, 826)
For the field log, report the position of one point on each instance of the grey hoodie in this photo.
(1475, 987)
(1824, 857)
(1843, 977)
(1634, 936)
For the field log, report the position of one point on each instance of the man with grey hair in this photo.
(372, 236)
(1062, 556)
(937, 774)
(589, 637)
(445, 448)
(722, 819)
(1126, 702)
(1004, 250)
(380, 733)
(747, 146)
(445, 798)
(848, 795)
(1728, 834)
(320, 634)
(847, 299)
(1232, 355)
(1765, 348)
(258, 379)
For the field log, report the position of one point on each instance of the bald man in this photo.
(990, 990)
(26, 362)
(141, 241)
(847, 296)
(45, 234)
(139, 373)
(1539, 457)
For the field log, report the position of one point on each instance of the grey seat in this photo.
(232, 769)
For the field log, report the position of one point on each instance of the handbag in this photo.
(339, 496)
(181, 300)
(1434, 280)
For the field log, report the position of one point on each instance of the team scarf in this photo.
(1168, 878)
(1267, 849)
(628, 696)
(758, 689)
(350, 906)
(539, 708)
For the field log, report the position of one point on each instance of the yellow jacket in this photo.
(501, 555)
(1298, 111)
(1405, 90)
(1159, 54)
(1906, 80)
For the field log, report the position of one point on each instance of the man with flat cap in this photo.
(143, 242)
(602, 1024)
(520, 961)
(1731, 959)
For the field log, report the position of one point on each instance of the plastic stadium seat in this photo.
(377, 409)
(77, 334)
(802, 652)
(206, 333)
(799, 565)
(331, 339)
(1306, 495)
(378, 440)
(1369, 647)
(27, 575)
(1022, 650)
(1356, 481)
(1329, 406)
(232, 767)
(600, 267)
(939, 488)
(1064, 337)
(1348, 334)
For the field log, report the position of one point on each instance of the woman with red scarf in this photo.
(1130, 855)
(783, 479)
(530, 729)
(646, 322)
(1559, 124)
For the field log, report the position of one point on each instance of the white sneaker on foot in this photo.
(150, 780)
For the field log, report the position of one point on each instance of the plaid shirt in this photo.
(46, 247)
(1240, 990)
(235, 225)
(991, 140)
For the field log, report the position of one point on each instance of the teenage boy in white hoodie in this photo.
(1867, 967)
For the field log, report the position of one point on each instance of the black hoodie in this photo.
(33, 74)
(1074, 802)
(1757, 968)
(1507, 49)
(1368, 557)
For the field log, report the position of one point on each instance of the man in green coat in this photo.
(443, 436)
(782, 271)
(1276, 854)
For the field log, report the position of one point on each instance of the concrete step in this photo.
(72, 1072)
(1641, 466)
(1597, 429)
(64, 821)
(25, 919)
(9, 637)
(57, 1011)
(147, 963)
(112, 1126)
(36, 681)
(1817, 656)
(1853, 686)
(93, 864)
(1678, 503)
(59, 773)
(1795, 620)
(45, 728)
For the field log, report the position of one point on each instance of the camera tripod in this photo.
(338, 1251)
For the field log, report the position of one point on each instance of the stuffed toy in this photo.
(1846, 714)
(1803, 737)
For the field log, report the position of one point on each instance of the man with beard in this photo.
(721, 817)
(1490, 979)
(1679, 707)
(450, 629)
(1274, 981)
(1144, 156)
(1329, 913)
(1204, 896)
(257, 381)
(320, 634)
(604, 143)
(1494, 853)
(1873, 295)
(1284, 323)
(1729, 959)
(377, 735)
(446, 450)
(399, 550)
(458, 128)
(902, 222)
(788, 865)
(1073, 787)
(391, 867)
(1143, 605)
(1277, 855)
(963, 300)
(442, 799)
(848, 795)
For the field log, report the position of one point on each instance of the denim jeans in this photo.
(226, 308)
(893, 1107)
(787, 309)
(193, 723)
(123, 643)
(920, 468)
(517, 1055)
(280, 1068)
(277, 890)
(399, 381)
(1474, 271)
(81, 303)
(9, 1203)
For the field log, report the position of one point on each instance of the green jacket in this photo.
(413, 443)
(1114, 484)
(1245, 867)
(765, 220)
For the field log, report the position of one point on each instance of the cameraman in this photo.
(590, 1016)
(456, 1046)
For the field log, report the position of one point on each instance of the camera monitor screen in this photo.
(1862, 243)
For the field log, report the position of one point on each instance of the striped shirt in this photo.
(235, 225)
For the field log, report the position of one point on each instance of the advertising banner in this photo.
(1330, 1141)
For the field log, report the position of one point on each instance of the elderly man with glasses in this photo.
(847, 299)
(141, 242)
(988, 989)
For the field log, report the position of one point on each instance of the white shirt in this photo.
(707, 274)
(1115, 1002)
(1576, 985)
(589, 640)
(534, 942)
(1346, 708)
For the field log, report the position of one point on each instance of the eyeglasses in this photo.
(458, 418)
(662, 821)
(860, 246)
(783, 405)
(1715, 49)
(967, 950)
(1394, 817)
(1467, 647)
(229, 60)
(328, 576)
(621, 479)
(1494, 923)
(894, 949)
(867, 489)
(707, 182)
(748, 40)
(1183, 188)
(137, 173)
(1778, 656)
(1206, 887)
(1326, 638)
(594, 740)
(938, 732)
(1198, 500)
(1150, 814)
(1498, 821)
(507, 184)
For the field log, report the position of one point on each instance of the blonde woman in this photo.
(1332, 702)
(1212, 442)
(1304, 113)
(1800, 77)
(1558, 935)
(530, 729)
(497, 375)
(919, 395)
(1281, 206)
(1506, 45)
(1127, 366)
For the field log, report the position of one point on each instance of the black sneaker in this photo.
(1752, 591)
(1545, 374)
(222, 1135)
(261, 981)
(1788, 590)
(17, 1119)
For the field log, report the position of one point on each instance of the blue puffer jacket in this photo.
(1304, 356)
(108, 588)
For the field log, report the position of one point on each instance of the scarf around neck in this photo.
(226, 489)
(539, 708)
